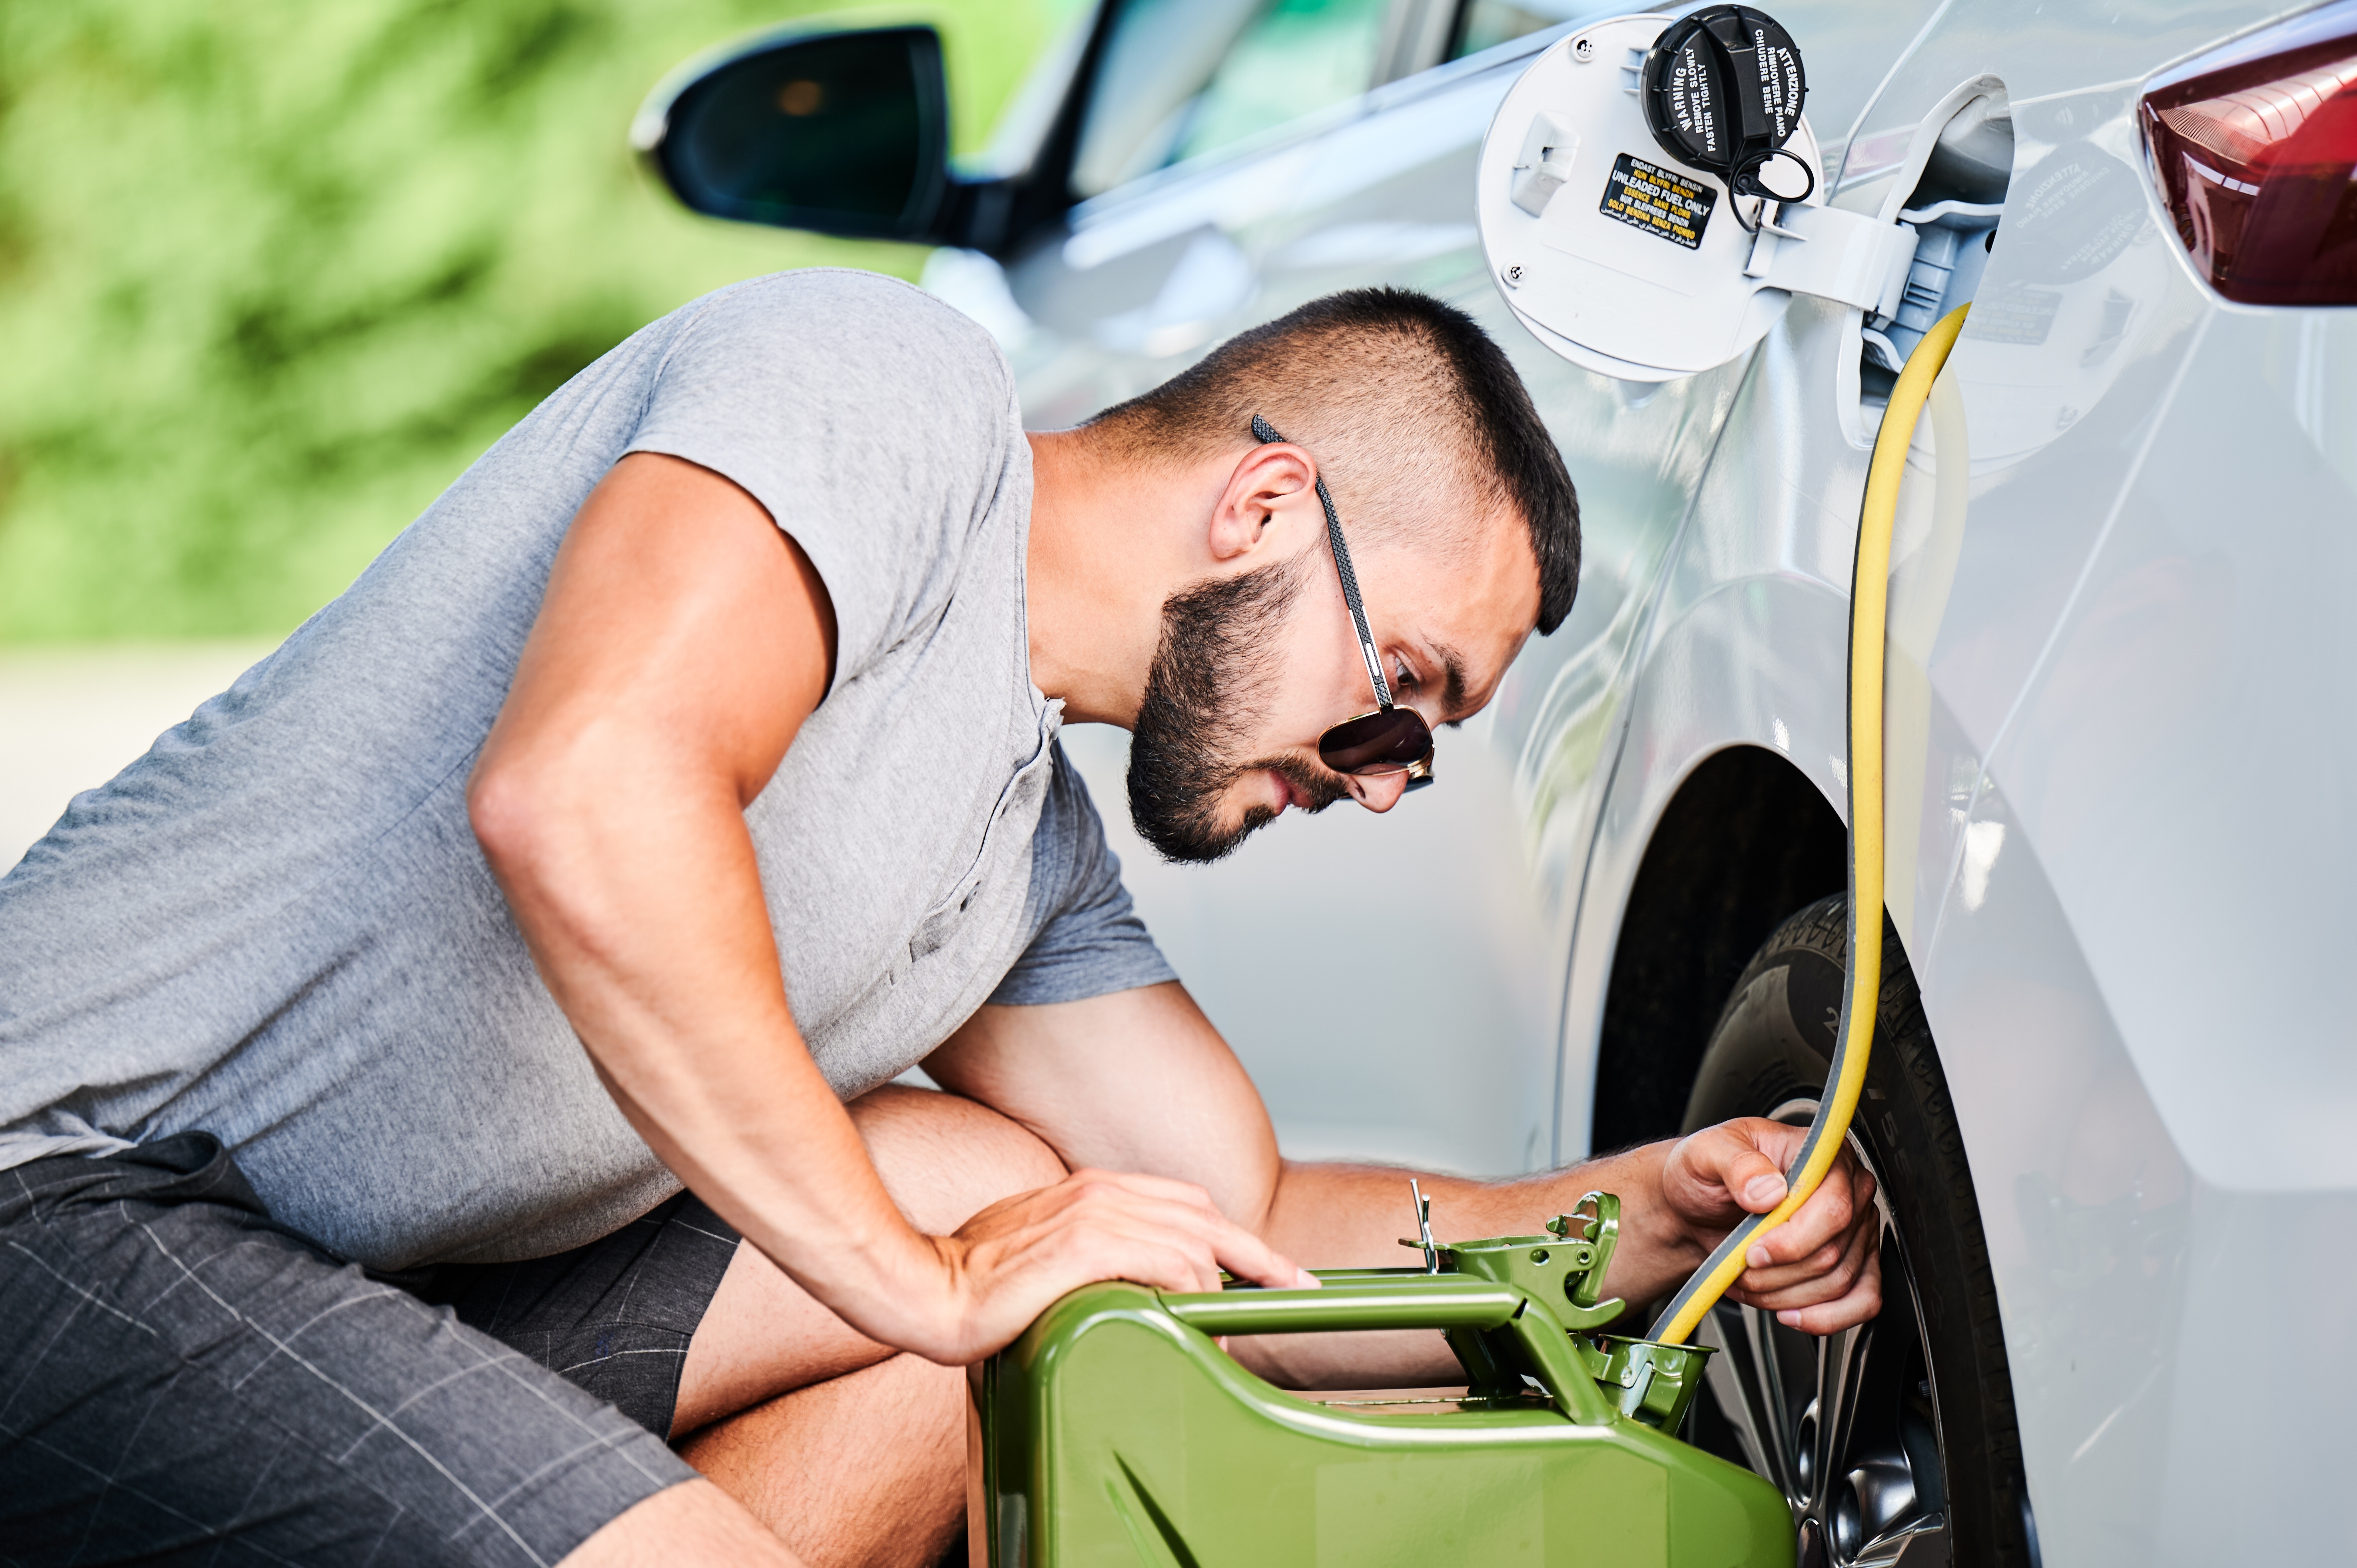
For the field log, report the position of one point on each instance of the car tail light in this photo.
(2255, 149)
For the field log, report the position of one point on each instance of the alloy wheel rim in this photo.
(1846, 1426)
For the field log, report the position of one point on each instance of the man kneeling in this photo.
(442, 1077)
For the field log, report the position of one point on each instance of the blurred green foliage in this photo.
(273, 273)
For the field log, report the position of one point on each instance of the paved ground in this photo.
(71, 717)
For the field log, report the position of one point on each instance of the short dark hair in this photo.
(1357, 378)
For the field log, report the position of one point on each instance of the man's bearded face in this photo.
(1206, 696)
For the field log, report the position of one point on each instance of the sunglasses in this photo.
(1389, 738)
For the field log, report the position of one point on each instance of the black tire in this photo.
(1902, 1430)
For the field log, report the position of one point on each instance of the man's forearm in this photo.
(682, 642)
(663, 966)
(1332, 1215)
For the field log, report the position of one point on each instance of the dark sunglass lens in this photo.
(1376, 743)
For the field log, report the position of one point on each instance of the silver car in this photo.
(2113, 1110)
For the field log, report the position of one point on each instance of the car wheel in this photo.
(1894, 1442)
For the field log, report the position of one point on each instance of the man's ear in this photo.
(1269, 490)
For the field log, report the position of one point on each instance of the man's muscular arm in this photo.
(682, 641)
(1140, 1080)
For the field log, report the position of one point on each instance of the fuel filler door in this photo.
(1650, 200)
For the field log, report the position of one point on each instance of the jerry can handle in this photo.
(1362, 1305)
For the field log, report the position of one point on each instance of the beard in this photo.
(1209, 682)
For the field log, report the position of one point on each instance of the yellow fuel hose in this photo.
(1868, 611)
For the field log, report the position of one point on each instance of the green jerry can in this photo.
(1117, 1432)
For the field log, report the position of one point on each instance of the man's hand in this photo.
(1010, 1261)
(1819, 1271)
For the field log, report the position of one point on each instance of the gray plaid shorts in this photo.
(183, 1381)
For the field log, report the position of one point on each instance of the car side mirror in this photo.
(844, 132)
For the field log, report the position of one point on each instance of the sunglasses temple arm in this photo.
(1263, 431)
(1351, 596)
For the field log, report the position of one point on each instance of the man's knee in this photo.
(944, 1158)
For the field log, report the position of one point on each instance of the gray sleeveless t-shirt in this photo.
(276, 926)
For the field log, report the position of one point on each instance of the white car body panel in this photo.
(2123, 692)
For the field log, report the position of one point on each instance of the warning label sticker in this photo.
(1660, 201)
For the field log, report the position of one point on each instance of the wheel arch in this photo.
(1746, 840)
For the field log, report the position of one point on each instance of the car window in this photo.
(1182, 78)
(1488, 23)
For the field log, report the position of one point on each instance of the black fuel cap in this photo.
(1723, 88)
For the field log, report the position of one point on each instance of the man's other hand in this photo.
(1819, 1271)
(1012, 1260)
